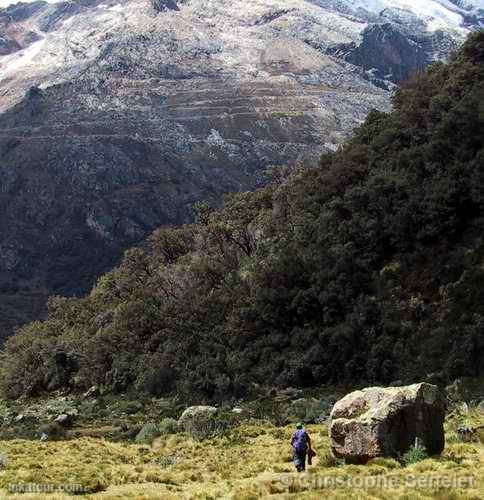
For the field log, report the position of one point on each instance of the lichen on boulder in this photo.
(195, 414)
(386, 422)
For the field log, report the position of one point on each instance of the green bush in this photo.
(327, 459)
(415, 454)
(148, 433)
(130, 407)
(308, 411)
(168, 426)
(218, 425)
(272, 411)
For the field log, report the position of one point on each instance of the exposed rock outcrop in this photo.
(195, 414)
(161, 5)
(390, 54)
(385, 422)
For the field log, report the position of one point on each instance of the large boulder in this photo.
(194, 415)
(385, 422)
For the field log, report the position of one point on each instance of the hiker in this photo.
(301, 446)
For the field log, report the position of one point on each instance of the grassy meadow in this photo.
(250, 461)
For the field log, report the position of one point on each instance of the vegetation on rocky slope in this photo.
(367, 268)
(153, 111)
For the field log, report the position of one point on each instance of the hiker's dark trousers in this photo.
(299, 458)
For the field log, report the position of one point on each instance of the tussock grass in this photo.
(252, 461)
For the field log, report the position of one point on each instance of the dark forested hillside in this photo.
(366, 268)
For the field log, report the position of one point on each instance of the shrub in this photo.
(311, 411)
(327, 459)
(415, 454)
(130, 407)
(270, 410)
(218, 425)
(168, 426)
(148, 433)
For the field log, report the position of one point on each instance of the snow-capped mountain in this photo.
(117, 115)
(51, 42)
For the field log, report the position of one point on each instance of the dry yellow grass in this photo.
(254, 462)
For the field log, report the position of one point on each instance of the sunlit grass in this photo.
(252, 462)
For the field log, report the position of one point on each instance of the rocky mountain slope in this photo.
(118, 115)
(366, 268)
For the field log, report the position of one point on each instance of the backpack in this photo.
(300, 441)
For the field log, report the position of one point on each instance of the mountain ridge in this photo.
(118, 116)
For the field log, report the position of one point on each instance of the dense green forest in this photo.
(366, 268)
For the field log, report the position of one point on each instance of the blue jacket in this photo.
(300, 441)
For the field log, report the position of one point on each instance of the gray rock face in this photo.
(393, 54)
(384, 422)
(161, 5)
(118, 115)
(15, 32)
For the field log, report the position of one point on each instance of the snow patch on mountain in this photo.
(6, 3)
(17, 62)
(238, 37)
(434, 13)
(467, 4)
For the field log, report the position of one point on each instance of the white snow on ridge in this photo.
(433, 12)
(477, 4)
(118, 8)
(241, 28)
(14, 63)
(467, 7)
(6, 3)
